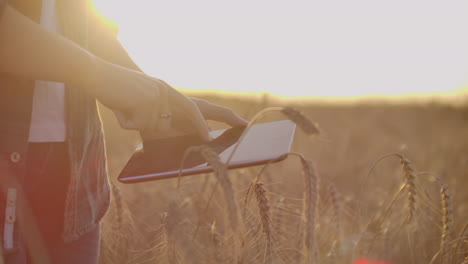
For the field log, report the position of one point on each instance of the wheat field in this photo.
(381, 183)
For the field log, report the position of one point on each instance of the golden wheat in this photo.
(118, 205)
(221, 172)
(410, 176)
(216, 243)
(264, 211)
(421, 242)
(302, 121)
(447, 216)
(167, 245)
(463, 238)
(310, 206)
(336, 209)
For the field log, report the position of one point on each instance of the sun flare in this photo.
(298, 49)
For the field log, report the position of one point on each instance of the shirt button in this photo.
(15, 157)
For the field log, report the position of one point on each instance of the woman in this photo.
(52, 160)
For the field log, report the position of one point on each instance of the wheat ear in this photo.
(302, 121)
(310, 204)
(410, 175)
(447, 215)
(265, 216)
(336, 209)
(410, 182)
(251, 186)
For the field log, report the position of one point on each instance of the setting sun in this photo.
(299, 48)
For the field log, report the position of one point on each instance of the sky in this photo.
(298, 48)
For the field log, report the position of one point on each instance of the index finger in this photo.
(189, 107)
(225, 115)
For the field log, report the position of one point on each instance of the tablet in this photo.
(162, 158)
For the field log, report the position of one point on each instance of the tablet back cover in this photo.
(160, 159)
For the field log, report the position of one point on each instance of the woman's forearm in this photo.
(29, 51)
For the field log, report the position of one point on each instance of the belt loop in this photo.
(10, 218)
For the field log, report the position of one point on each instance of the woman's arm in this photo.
(103, 42)
(28, 50)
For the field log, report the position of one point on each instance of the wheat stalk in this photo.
(336, 209)
(221, 173)
(280, 218)
(310, 204)
(119, 212)
(265, 216)
(364, 182)
(462, 237)
(410, 182)
(216, 241)
(310, 201)
(410, 175)
(466, 244)
(447, 217)
(221, 169)
(118, 205)
(301, 120)
(167, 246)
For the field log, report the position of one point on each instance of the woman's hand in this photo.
(170, 114)
(219, 113)
(153, 107)
(188, 115)
(142, 102)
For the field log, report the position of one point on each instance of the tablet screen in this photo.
(162, 158)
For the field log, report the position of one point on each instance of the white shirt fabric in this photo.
(48, 109)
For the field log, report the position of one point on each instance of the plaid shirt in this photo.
(88, 194)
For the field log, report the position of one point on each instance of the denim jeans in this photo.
(45, 185)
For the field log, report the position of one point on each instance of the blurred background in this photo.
(300, 48)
